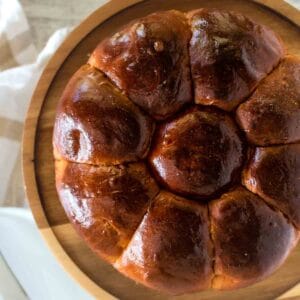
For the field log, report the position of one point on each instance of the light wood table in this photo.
(46, 16)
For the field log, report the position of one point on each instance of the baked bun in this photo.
(245, 231)
(230, 54)
(173, 230)
(149, 60)
(183, 191)
(97, 124)
(274, 174)
(272, 114)
(106, 204)
(198, 153)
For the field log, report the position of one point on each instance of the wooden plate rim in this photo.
(100, 15)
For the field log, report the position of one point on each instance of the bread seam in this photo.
(213, 246)
(138, 226)
(274, 208)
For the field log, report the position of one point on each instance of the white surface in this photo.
(29, 259)
(9, 287)
(8, 149)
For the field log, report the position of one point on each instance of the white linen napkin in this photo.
(16, 87)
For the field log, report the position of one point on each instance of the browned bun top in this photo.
(272, 114)
(274, 174)
(151, 174)
(251, 240)
(149, 60)
(229, 54)
(198, 153)
(106, 204)
(171, 250)
(97, 124)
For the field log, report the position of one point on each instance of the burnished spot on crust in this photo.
(274, 174)
(272, 114)
(251, 240)
(198, 153)
(171, 249)
(96, 124)
(106, 204)
(229, 55)
(149, 60)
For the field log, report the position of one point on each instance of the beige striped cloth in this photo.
(16, 48)
(20, 68)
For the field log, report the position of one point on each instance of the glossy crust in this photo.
(229, 55)
(198, 153)
(272, 113)
(251, 240)
(105, 204)
(97, 124)
(104, 146)
(171, 250)
(149, 60)
(274, 174)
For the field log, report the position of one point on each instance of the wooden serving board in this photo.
(99, 278)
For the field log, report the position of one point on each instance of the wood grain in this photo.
(100, 279)
(291, 293)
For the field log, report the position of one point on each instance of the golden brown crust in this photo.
(149, 60)
(245, 231)
(229, 55)
(198, 153)
(272, 114)
(96, 124)
(171, 249)
(274, 174)
(106, 204)
(103, 135)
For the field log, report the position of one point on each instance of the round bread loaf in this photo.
(177, 151)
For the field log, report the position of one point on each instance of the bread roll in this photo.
(274, 174)
(198, 153)
(229, 54)
(106, 204)
(149, 60)
(96, 124)
(251, 240)
(272, 114)
(171, 250)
